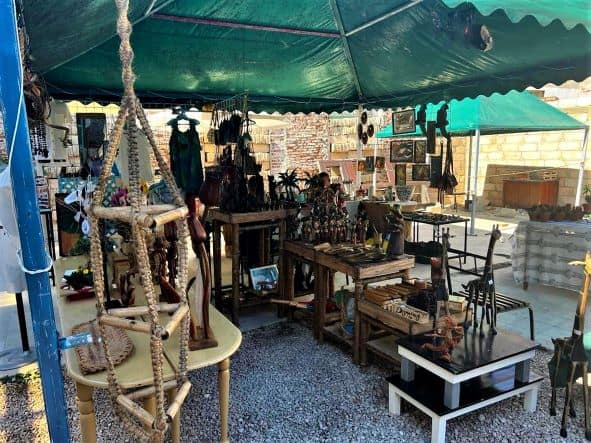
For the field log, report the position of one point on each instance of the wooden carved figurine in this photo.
(570, 359)
(446, 336)
(482, 290)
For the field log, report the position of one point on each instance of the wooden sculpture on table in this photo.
(446, 335)
(144, 425)
(483, 288)
(439, 271)
(570, 359)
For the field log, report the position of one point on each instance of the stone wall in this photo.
(496, 174)
(301, 144)
(506, 156)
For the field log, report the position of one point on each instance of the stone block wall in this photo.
(496, 174)
(558, 151)
(301, 144)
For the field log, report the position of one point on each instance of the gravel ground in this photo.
(285, 387)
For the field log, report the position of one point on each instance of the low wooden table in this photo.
(241, 222)
(325, 267)
(136, 371)
(482, 371)
(362, 275)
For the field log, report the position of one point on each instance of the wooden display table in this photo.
(362, 275)
(136, 371)
(325, 266)
(242, 222)
(386, 346)
(482, 371)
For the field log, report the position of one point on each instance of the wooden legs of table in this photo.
(175, 426)
(235, 274)
(287, 283)
(86, 410)
(365, 329)
(217, 264)
(320, 295)
(357, 334)
(224, 397)
(281, 264)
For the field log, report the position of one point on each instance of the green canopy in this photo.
(309, 55)
(497, 114)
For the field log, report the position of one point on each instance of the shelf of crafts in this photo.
(372, 315)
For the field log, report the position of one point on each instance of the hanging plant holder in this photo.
(141, 219)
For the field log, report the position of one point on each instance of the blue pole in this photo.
(29, 225)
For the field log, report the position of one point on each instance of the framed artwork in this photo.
(400, 174)
(421, 173)
(361, 166)
(420, 154)
(92, 134)
(264, 277)
(403, 122)
(380, 164)
(401, 151)
(369, 164)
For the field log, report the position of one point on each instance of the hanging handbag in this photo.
(436, 168)
(448, 180)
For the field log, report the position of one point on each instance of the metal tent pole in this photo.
(34, 255)
(474, 189)
(582, 168)
(469, 171)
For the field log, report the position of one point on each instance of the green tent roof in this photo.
(497, 114)
(309, 55)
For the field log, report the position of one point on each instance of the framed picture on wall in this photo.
(380, 163)
(401, 151)
(369, 164)
(420, 153)
(421, 172)
(92, 134)
(400, 174)
(403, 122)
(361, 166)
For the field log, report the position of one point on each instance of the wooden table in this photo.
(241, 222)
(362, 275)
(136, 371)
(482, 371)
(325, 266)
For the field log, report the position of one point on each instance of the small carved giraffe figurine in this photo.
(484, 287)
(570, 352)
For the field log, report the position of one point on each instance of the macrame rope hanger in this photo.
(142, 424)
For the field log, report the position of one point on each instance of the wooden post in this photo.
(235, 274)
(224, 397)
(356, 341)
(86, 410)
(150, 406)
(175, 426)
(217, 264)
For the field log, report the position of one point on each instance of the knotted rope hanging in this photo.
(138, 421)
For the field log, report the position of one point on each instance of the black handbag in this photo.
(448, 180)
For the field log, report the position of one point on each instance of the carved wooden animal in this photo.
(484, 287)
(570, 359)
(447, 335)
